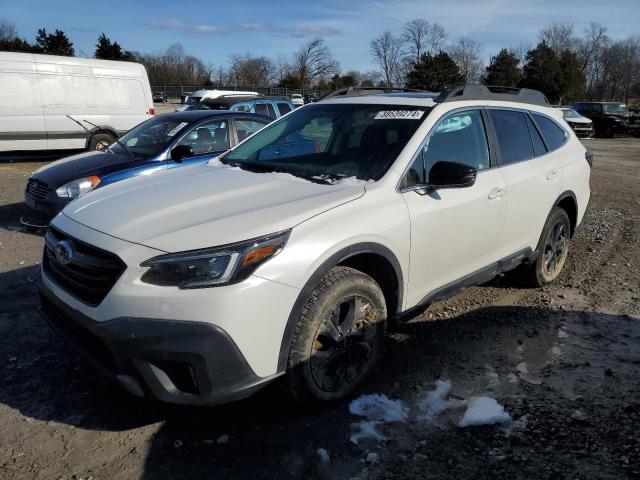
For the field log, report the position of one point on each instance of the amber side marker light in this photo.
(258, 254)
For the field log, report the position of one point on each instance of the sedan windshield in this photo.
(328, 142)
(149, 138)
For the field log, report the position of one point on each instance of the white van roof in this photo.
(18, 61)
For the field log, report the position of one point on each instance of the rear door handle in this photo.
(497, 192)
(552, 175)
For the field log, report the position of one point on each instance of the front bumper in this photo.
(48, 206)
(190, 363)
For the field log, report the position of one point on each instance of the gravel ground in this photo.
(564, 362)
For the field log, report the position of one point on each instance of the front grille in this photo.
(37, 189)
(89, 344)
(85, 272)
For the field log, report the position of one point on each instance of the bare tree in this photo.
(282, 67)
(386, 51)
(314, 61)
(248, 70)
(420, 37)
(466, 53)
(559, 37)
(7, 31)
(520, 51)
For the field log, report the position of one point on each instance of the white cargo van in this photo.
(39, 92)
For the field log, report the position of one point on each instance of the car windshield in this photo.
(149, 138)
(192, 100)
(617, 108)
(570, 113)
(329, 142)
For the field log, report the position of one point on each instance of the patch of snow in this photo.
(435, 401)
(367, 430)
(579, 415)
(378, 407)
(216, 163)
(351, 181)
(517, 426)
(323, 455)
(484, 411)
(222, 439)
(371, 457)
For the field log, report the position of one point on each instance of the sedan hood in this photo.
(203, 206)
(81, 165)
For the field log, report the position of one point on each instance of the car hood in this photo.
(202, 206)
(581, 120)
(81, 165)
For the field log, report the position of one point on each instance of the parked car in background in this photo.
(579, 124)
(199, 95)
(288, 257)
(609, 118)
(164, 142)
(310, 98)
(159, 97)
(273, 107)
(38, 94)
(297, 100)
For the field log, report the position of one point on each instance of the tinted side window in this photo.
(553, 135)
(284, 108)
(272, 112)
(513, 135)
(460, 138)
(538, 144)
(261, 109)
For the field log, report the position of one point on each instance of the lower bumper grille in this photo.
(37, 189)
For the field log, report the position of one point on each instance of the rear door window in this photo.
(513, 135)
(283, 108)
(553, 135)
(538, 144)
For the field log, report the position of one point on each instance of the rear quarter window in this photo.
(554, 136)
(513, 135)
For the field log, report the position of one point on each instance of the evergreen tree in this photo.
(434, 73)
(542, 71)
(573, 79)
(54, 43)
(503, 70)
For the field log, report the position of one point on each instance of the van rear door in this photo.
(22, 124)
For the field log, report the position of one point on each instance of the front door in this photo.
(453, 231)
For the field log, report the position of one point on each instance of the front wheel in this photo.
(100, 141)
(338, 337)
(552, 251)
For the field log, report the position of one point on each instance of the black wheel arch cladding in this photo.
(347, 257)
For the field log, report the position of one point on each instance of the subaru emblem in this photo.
(64, 252)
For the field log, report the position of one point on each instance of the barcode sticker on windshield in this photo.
(399, 115)
(176, 129)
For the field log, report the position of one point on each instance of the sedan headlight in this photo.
(212, 267)
(77, 188)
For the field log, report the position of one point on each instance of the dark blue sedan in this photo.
(166, 141)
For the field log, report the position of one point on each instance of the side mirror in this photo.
(451, 175)
(180, 152)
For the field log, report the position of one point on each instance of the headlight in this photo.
(77, 188)
(213, 266)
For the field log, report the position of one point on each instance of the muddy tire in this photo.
(338, 337)
(552, 251)
(100, 141)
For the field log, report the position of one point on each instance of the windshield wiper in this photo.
(117, 141)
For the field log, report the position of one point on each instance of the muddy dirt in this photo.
(563, 361)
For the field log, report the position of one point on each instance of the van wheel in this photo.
(338, 337)
(100, 141)
(552, 251)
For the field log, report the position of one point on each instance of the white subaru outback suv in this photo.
(290, 254)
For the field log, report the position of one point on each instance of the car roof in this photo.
(195, 115)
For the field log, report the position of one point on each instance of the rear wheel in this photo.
(552, 251)
(100, 141)
(338, 337)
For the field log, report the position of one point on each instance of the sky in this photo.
(213, 30)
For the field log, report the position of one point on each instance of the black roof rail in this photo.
(360, 91)
(492, 92)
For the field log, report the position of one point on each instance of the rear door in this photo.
(533, 174)
(21, 117)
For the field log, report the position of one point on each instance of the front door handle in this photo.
(497, 192)
(552, 175)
